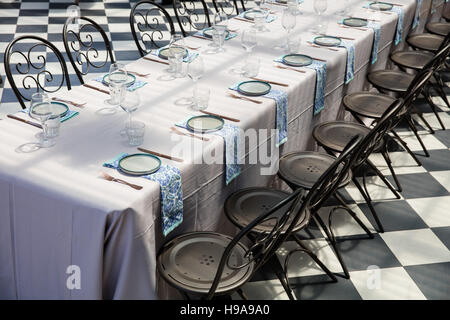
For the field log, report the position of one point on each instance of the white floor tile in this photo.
(412, 247)
(434, 211)
(433, 121)
(402, 163)
(263, 290)
(376, 187)
(428, 139)
(386, 284)
(443, 177)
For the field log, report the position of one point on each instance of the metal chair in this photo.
(81, 47)
(192, 15)
(229, 7)
(439, 28)
(154, 26)
(209, 264)
(30, 61)
(425, 41)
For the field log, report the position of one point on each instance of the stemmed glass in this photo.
(288, 21)
(320, 6)
(117, 79)
(177, 50)
(195, 71)
(40, 109)
(129, 103)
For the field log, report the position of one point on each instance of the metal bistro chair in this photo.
(209, 263)
(229, 7)
(192, 15)
(81, 47)
(154, 26)
(439, 28)
(30, 65)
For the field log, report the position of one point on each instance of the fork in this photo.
(144, 75)
(111, 178)
(244, 98)
(176, 131)
(290, 68)
(79, 105)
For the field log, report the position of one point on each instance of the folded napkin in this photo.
(433, 6)
(230, 35)
(350, 68)
(321, 81)
(417, 14)
(281, 101)
(401, 15)
(376, 39)
(136, 85)
(269, 18)
(70, 114)
(169, 179)
(232, 139)
(191, 55)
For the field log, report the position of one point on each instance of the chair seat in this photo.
(439, 28)
(245, 205)
(390, 80)
(412, 59)
(334, 135)
(304, 168)
(425, 41)
(189, 262)
(368, 104)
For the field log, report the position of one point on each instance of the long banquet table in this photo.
(56, 212)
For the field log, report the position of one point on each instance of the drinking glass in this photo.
(201, 98)
(293, 43)
(260, 20)
(117, 79)
(320, 6)
(130, 103)
(288, 21)
(248, 39)
(40, 109)
(195, 70)
(251, 67)
(177, 49)
(218, 35)
(52, 127)
(135, 133)
(293, 6)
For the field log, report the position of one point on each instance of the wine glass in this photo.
(196, 69)
(248, 39)
(288, 21)
(117, 79)
(40, 109)
(320, 6)
(129, 103)
(177, 50)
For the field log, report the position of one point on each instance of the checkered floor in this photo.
(411, 260)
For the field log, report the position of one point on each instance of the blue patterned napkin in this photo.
(269, 18)
(321, 81)
(232, 139)
(376, 39)
(136, 85)
(191, 55)
(68, 115)
(350, 68)
(433, 6)
(401, 15)
(417, 14)
(230, 35)
(169, 179)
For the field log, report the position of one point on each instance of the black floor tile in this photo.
(420, 185)
(432, 279)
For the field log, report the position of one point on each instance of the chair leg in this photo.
(414, 130)
(420, 114)
(405, 146)
(433, 107)
(388, 161)
(383, 178)
(369, 204)
(285, 285)
(315, 258)
(439, 87)
(242, 294)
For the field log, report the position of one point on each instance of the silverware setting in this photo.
(271, 82)
(220, 116)
(179, 132)
(111, 178)
(349, 27)
(75, 104)
(143, 75)
(235, 96)
(95, 88)
(162, 155)
(321, 47)
(289, 68)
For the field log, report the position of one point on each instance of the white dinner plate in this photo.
(254, 88)
(205, 123)
(139, 164)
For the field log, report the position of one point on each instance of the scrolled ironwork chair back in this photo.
(30, 64)
(192, 15)
(151, 26)
(84, 52)
(292, 212)
(229, 7)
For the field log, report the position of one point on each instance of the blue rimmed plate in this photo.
(250, 14)
(208, 32)
(382, 6)
(254, 88)
(205, 123)
(58, 109)
(164, 53)
(297, 60)
(130, 79)
(327, 41)
(139, 164)
(355, 22)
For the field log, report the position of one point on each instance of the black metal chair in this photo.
(192, 15)
(425, 41)
(208, 263)
(229, 7)
(30, 61)
(81, 47)
(439, 28)
(154, 26)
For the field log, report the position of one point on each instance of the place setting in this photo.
(218, 33)
(388, 8)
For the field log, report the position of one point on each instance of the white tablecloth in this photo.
(56, 212)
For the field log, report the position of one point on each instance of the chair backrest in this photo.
(85, 48)
(192, 15)
(440, 55)
(154, 26)
(26, 60)
(229, 7)
(297, 208)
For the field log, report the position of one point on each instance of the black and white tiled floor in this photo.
(411, 260)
